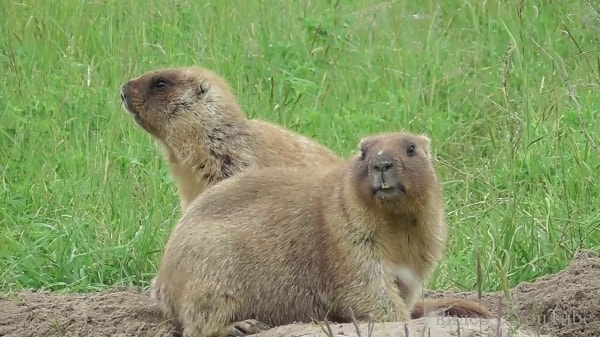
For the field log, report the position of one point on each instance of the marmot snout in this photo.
(384, 179)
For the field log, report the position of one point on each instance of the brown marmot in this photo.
(193, 113)
(277, 245)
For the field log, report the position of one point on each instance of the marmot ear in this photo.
(203, 88)
(427, 145)
(363, 146)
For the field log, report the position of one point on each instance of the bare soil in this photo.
(563, 304)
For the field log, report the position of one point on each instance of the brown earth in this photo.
(563, 304)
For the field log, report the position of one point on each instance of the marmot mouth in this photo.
(136, 117)
(389, 192)
(128, 108)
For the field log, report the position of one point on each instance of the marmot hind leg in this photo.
(243, 328)
(212, 315)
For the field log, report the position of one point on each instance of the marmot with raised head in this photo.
(193, 113)
(276, 245)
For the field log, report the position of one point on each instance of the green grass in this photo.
(507, 90)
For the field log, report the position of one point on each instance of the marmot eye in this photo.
(159, 84)
(411, 150)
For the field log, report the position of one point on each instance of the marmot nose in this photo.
(124, 89)
(382, 162)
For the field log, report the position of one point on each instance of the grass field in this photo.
(507, 90)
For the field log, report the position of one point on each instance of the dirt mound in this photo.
(119, 312)
(563, 304)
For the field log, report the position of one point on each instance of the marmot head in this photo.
(170, 98)
(395, 167)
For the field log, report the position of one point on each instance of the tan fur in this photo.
(278, 245)
(193, 113)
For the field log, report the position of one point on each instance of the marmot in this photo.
(193, 113)
(276, 245)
